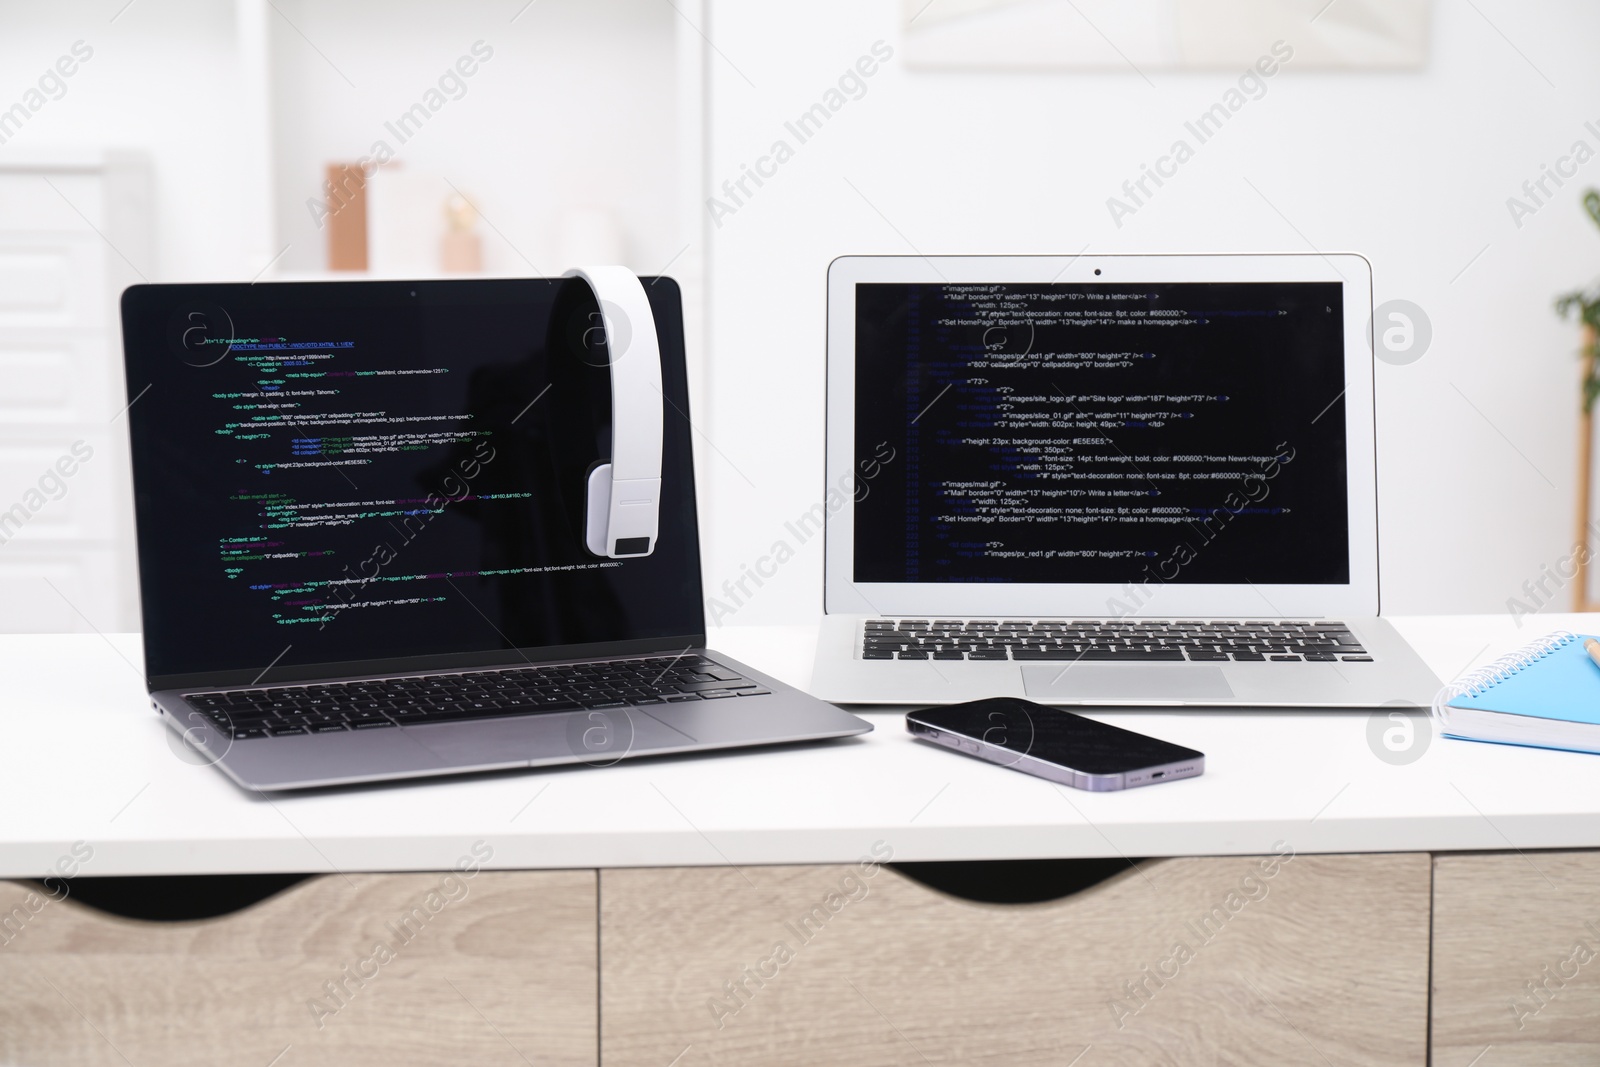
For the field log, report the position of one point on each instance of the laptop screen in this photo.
(388, 473)
(1089, 433)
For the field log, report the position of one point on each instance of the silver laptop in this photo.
(391, 529)
(1107, 480)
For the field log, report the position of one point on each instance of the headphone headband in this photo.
(623, 501)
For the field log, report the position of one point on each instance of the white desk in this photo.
(82, 757)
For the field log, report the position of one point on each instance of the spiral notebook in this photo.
(1546, 695)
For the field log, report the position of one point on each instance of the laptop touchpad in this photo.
(1090, 682)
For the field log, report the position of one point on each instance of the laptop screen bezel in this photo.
(673, 358)
(1357, 597)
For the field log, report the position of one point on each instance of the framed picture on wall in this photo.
(1164, 34)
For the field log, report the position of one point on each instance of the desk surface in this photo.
(83, 758)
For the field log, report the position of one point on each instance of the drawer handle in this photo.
(174, 898)
(1014, 881)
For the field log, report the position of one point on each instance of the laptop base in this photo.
(597, 737)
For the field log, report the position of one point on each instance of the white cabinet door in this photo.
(66, 536)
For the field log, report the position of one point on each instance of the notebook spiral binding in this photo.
(1474, 683)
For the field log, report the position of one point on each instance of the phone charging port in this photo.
(1159, 774)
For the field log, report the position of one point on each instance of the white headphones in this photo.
(622, 504)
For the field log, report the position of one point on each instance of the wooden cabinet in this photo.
(1233, 960)
(387, 969)
(1516, 958)
(1291, 959)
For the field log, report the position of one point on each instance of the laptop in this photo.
(394, 529)
(1105, 480)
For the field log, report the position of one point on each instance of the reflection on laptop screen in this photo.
(1085, 433)
(344, 472)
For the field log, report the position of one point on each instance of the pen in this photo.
(1592, 647)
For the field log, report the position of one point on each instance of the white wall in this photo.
(579, 105)
(161, 82)
(1410, 169)
(576, 106)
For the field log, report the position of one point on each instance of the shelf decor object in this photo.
(1586, 303)
(347, 216)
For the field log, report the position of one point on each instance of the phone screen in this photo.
(1054, 735)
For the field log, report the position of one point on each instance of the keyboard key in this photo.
(700, 687)
(988, 654)
(1285, 659)
(439, 715)
(1198, 656)
(1248, 656)
(1103, 655)
(1355, 659)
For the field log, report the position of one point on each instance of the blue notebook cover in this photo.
(1555, 679)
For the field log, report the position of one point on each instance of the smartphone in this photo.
(1055, 744)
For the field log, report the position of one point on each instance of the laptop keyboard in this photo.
(1113, 641)
(335, 707)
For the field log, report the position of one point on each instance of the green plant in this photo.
(1587, 304)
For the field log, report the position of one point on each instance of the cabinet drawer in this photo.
(1292, 959)
(1516, 958)
(65, 198)
(387, 969)
(58, 376)
(54, 280)
(61, 484)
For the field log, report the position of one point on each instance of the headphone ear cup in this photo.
(597, 509)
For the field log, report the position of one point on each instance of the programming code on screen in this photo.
(1086, 433)
(298, 407)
